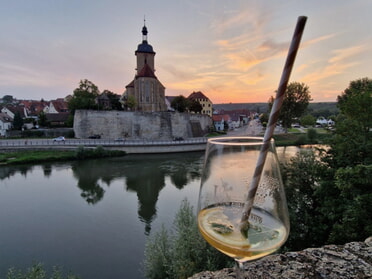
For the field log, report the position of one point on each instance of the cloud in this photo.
(342, 54)
(337, 64)
(12, 74)
(317, 40)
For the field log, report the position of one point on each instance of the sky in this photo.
(233, 51)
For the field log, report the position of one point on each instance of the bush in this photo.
(301, 140)
(99, 152)
(181, 252)
(312, 135)
(37, 271)
(80, 153)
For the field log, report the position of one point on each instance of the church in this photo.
(145, 92)
(147, 116)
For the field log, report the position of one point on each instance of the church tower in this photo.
(146, 89)
(145, 54)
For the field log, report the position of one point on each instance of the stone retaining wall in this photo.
(349, 261)
(140, 125)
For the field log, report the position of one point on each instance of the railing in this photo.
(97, 142)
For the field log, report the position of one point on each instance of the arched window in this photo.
(147, 92)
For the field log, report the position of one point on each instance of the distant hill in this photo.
(254, 107)
(325, 109)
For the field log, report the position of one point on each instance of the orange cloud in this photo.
(336, 65)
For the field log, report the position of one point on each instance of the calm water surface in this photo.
(92, 217)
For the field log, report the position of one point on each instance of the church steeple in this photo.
(144, 46)
(147, 90)
(144, 32)
(145, 53)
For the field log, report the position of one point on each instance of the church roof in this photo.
(131, 84)
(146, 71)
(145, 47)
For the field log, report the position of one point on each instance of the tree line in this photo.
(330, 198)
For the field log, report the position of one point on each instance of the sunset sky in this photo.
(232, 51)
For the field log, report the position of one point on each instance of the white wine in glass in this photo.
(228, 170)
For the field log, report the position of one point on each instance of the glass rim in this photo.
(238, 140)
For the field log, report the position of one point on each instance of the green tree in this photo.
(195, 106)
(301, 177)
(307, 120)
(17, 121)
(345, 190)
(84, 96)
(131, 102)
(312, 135)
(180, 103)
(296, 99)
(8, 99)
(114, 100)
(264, 118)
(42, 119)
(356, 103)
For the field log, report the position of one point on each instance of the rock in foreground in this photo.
(352, 260)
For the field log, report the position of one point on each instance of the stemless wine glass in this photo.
(229, 167)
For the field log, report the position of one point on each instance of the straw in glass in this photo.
(274, 115)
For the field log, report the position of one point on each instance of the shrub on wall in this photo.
(182, 251)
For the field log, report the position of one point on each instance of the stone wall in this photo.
(352, 260)
(140, 125)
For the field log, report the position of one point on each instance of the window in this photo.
(147, 92)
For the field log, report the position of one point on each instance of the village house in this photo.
(324, 122)
(237, 118)
(5, 124)
(203, 101)
(56, 106)
(220, 121)
(12, 110)
(56, 111)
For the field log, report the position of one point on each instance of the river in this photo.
(93, 217)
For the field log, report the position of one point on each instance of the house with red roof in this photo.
(220, 121)
(203, 101)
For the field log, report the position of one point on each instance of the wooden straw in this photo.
(274, 115)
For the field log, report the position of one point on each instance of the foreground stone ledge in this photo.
(352, 260)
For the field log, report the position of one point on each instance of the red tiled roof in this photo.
(60, 105)
(219, 117)
(131, 84)
(16, 108)
(33, 107)
(146, 71)
(197, 95)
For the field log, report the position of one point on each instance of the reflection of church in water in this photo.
(145, 89)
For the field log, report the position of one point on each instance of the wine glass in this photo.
(228, 169)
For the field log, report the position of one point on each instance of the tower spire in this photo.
(144, 31)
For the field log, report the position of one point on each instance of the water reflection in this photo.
(92, 216)
(142, 174)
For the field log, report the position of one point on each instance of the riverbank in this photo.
(293, 137)
(40, 150)
(38, 156)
